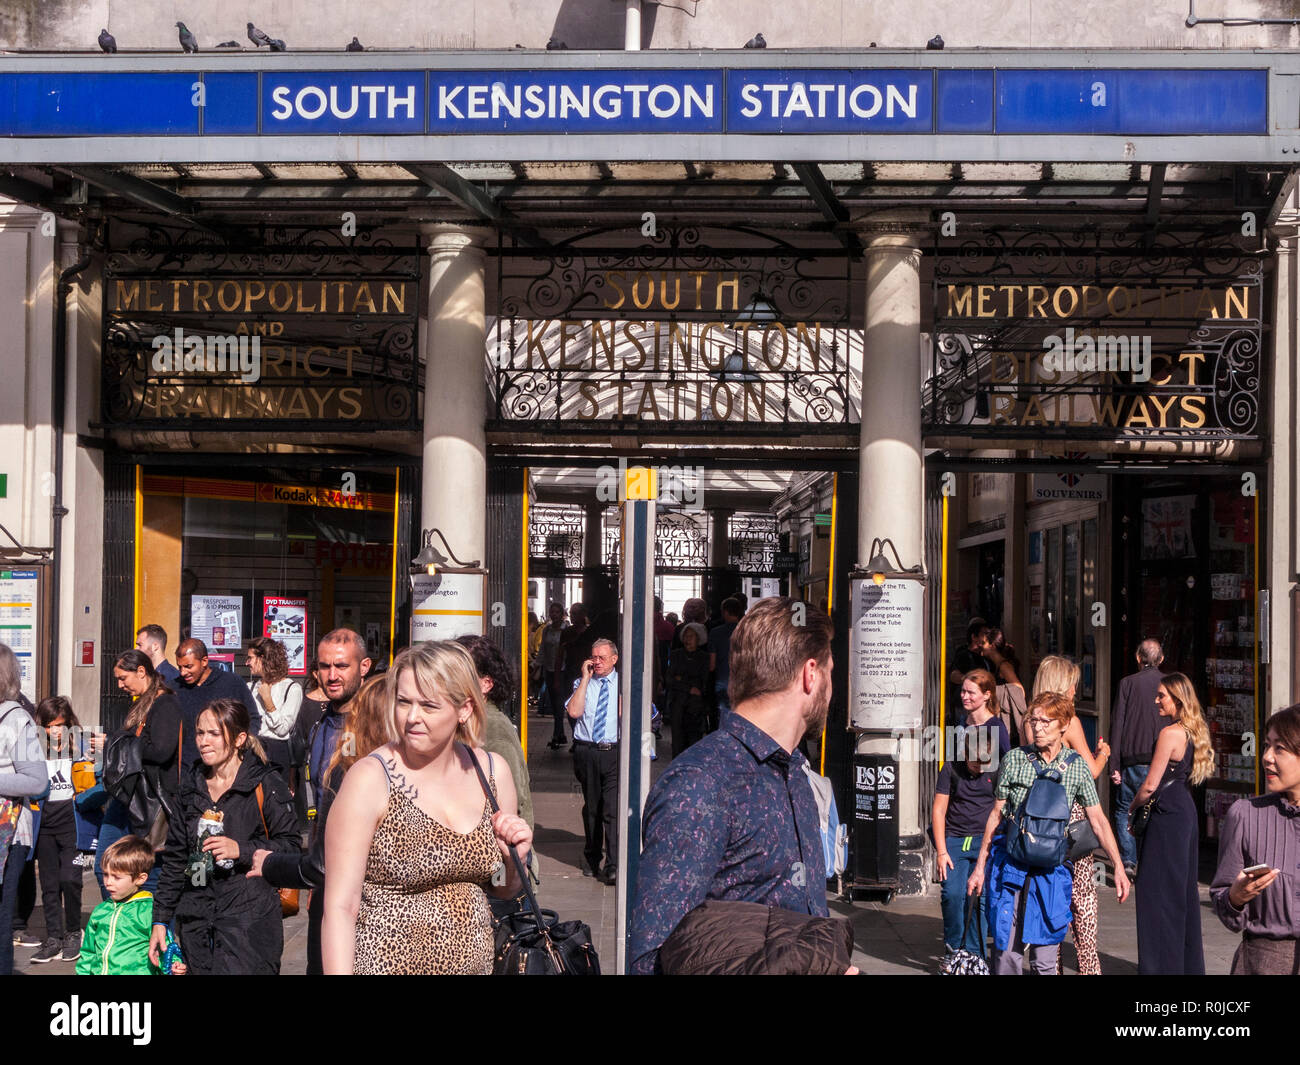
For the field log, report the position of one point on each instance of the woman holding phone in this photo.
(1259, 857)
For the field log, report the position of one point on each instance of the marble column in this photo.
(454, 478)
(891, 485)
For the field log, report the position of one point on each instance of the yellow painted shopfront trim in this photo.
(392, 599)
(523, 629)
(830, 584)
(1259, 725)
(138, 548)
(943, 624)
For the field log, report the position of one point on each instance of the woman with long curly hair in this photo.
(1056, 673)
(1168, 902)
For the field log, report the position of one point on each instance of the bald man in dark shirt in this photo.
(200, 686)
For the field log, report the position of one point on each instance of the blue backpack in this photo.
(1037, 839)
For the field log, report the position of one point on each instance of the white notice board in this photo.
(217, 620)
(447, 605)
(887, 654)
(19, 599)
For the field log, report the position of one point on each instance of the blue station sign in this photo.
(1052, 101)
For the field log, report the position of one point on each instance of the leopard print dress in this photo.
(1083, 901)
(423, 911)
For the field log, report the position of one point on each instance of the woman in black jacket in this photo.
(369, 727)
(155, 717)
(232, 805)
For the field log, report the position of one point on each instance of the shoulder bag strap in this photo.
(388, 777)
(265, 831)
(514, 851)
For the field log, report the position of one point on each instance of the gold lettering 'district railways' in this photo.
(253, 401)
(257, 296)
(1182, 405)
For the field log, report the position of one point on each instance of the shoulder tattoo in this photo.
(397, 780)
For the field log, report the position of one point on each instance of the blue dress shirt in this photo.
(582, 727)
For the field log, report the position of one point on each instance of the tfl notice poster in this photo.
(887, 655)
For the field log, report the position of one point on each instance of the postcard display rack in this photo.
(1230, 669)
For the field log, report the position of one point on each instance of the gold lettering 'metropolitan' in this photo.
(187, 295)
(1087, 301)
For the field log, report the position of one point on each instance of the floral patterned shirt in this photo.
(732, 818)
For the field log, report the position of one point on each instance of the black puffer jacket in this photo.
(227, 922)
(720, 938)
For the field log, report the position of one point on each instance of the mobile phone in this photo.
(1257, 870)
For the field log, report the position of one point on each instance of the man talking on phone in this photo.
(595, 709)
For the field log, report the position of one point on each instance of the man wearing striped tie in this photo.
(595, 710)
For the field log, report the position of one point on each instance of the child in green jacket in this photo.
(116, 942)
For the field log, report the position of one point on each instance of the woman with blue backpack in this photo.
(1036, 786)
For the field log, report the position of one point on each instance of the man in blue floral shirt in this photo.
(734, 816)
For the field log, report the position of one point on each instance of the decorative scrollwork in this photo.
(752, 542)
(1236, 383)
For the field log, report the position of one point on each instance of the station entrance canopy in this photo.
(479, 106)
(595, 174)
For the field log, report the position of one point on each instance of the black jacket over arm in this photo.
(305, 869)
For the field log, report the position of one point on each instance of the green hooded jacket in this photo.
(116, 942)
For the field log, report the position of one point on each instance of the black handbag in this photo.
(1080, 839)
(1141, 817)
(533, 941)
(136, 786)
(123, 765)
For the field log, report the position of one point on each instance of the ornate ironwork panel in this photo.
(301, 329)
(1050, 335)
(555, 536)
(681, 540)
(674, 333)
(752, 543)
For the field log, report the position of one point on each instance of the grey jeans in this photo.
(1011, 962)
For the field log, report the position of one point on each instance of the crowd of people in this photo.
(1161, 750)
(397, 800)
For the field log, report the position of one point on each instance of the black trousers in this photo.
(688, 720)
(56, 846)
(14, 863)
(597, 773)
(315, 923)
(555, 690)
(25, 901)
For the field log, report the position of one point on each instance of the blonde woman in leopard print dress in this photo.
(411, 844)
